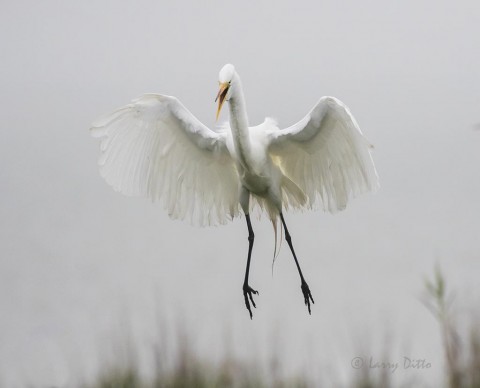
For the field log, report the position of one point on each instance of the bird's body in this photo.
(257, 173)
(156, 148)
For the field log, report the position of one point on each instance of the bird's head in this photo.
(226, 79)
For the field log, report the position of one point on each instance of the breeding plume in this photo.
(154, 147)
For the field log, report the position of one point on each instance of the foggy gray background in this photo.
(82, 265)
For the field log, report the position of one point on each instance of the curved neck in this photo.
(238, 109)
(239, 121)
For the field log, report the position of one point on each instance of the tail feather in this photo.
(276, 250)
(294, 195)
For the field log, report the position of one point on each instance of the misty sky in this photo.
(79, 262)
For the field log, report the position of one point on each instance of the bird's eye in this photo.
(229, 82)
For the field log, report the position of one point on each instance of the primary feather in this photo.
(326, 155)
(154, 147)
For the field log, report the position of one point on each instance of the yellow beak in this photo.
(222, 93)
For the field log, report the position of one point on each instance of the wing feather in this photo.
(154, 147)
(326, 155)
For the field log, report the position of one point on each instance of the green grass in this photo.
(187, 369)
(462, 357)
(190, 370)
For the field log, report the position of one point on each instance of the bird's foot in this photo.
(247, 294)
(307, 295)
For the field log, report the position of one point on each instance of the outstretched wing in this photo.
(326, 155)
(154, 147)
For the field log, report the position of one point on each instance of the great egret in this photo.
(154, 147)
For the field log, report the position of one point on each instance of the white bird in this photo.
(154, 147)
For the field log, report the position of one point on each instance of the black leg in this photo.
(247, 290)
(305, 289)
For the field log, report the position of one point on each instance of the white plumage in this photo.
(154, 147)
(326, 155)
